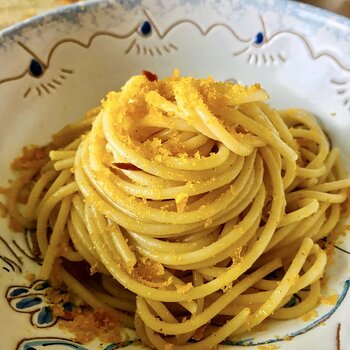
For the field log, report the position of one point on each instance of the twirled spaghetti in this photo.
(200, 208)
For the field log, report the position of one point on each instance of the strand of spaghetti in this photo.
(60, 181)
(173, 247)
(215, 338)
(69, 253)
(203, 163)
(316, 167)
(331, 186)
(156, 120)
(73, 145)
(248, 180)
(277, 121)
(253, 298)
(36, 192)
(290, 173)
(298, 237)
(206, 266)
(195, 142)
(265, 284)
(216, 247)
(140, 329)
(242, 195)
(197, 279)
(119, 217)
(132, 207)
(54, 246)
(231, 273)
(121, 245)
(161, 311)
(60, 155)
(306, 305)
(79, 241)
(283, 236)
(340, 171)
(67, 163)
(44, 213)
(197, 114)
(296, 117)
(320, 196)
(147, 180)
(90, 299)
(313, 273)
(253, 111)
(115, 289)
(191, 189)
(331, 222)
(272, 138)
(120, 304)
(330, 161)
(166, 295)
(282, 289)
(80, 236)
(201, 319)
(71, 132)
(13, 194)
(154, 99)
(121, 145)
(243, 238)
(189, 305)
(310, 208)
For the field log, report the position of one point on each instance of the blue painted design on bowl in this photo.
(59, 343)
(68, 306)
(35, 68)
(259, 38)
(41, 285)
(28, 302)
(39, 344)
(18, 291)
(146, 28)
(45, 315)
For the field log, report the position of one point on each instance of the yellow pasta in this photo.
(201, 208)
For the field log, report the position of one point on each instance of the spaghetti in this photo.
(199, 207)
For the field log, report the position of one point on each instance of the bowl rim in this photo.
(84, 6)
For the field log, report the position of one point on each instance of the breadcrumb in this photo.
(32, 157)
(88, 324)
(329, 299)
(182, 289)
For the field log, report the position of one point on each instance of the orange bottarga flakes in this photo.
(87, 324)
(15, 226)
(309, 316)
(32, 157)
(330, 250)
(182, 289)
(150, 273)
(3, 210)
(268, 347)
(329, 299)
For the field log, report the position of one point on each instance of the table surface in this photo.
(12, 11)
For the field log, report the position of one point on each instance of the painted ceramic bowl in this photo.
(56, 66)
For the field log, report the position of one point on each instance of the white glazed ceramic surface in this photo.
(54, 67)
